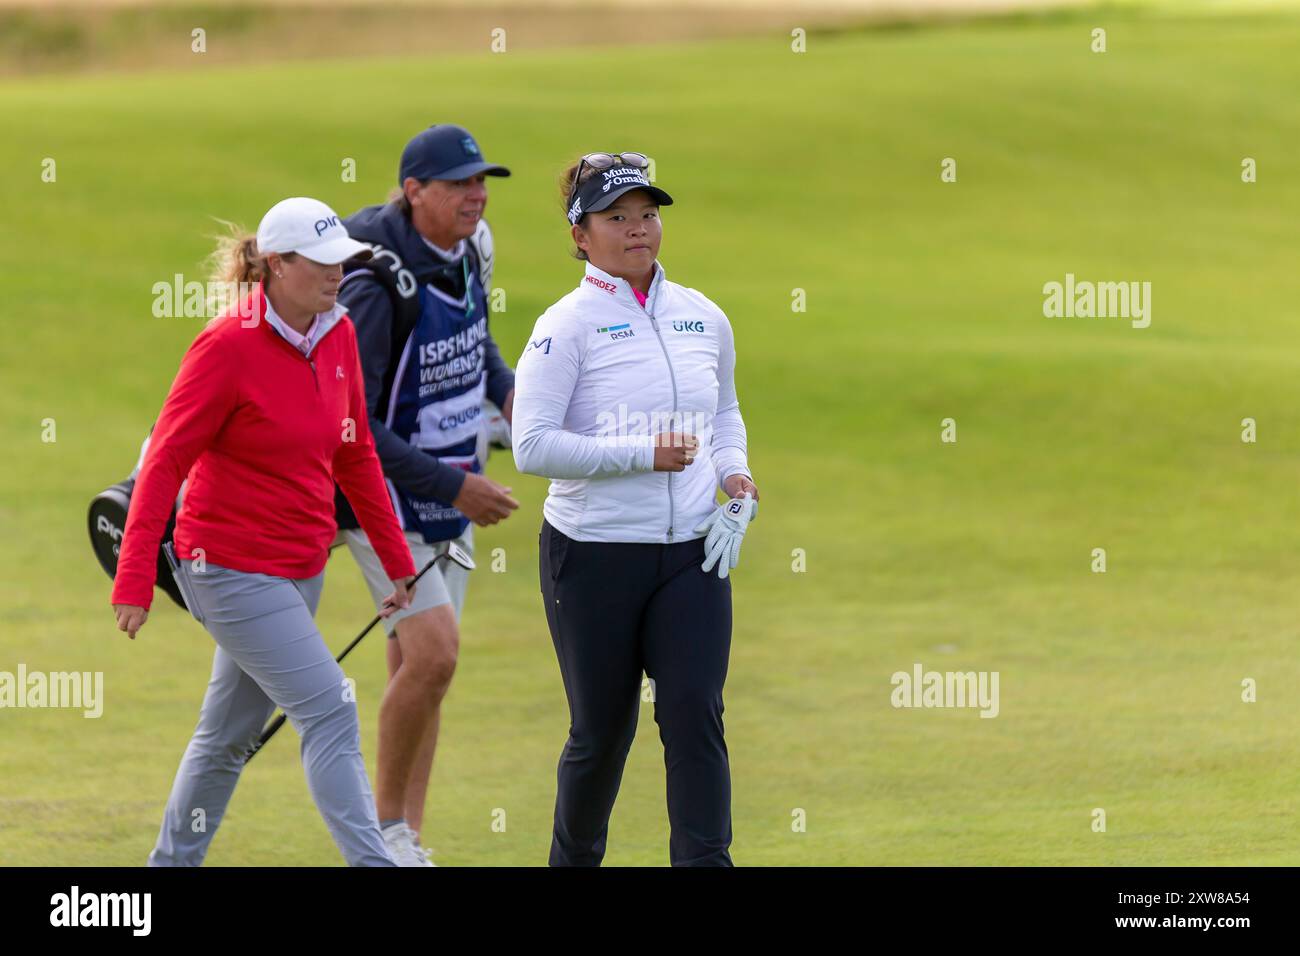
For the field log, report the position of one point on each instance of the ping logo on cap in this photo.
(323, 224)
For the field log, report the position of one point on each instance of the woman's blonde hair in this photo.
(233, 266)
(236, 259)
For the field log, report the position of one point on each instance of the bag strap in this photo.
(388, 270)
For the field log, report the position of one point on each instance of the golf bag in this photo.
(107, 521)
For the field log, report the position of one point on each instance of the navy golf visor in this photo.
(602, 189)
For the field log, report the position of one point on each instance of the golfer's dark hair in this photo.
(566, 195)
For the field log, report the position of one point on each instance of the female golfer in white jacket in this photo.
(624, 397)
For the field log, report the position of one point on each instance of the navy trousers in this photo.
(615, 611)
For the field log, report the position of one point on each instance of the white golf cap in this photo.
(309, 228)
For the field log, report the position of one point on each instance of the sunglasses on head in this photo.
(607, 161)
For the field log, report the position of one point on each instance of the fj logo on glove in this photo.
(726, 530)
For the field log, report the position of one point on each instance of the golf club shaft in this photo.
(276, 724)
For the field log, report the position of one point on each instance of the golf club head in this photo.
(458, 554)
(107, 521)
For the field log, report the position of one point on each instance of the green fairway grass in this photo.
(817, 171)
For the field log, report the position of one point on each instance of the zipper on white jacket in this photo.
(673, 378)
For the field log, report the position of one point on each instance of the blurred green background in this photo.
(816, 171)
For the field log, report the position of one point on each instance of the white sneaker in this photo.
(400, 841)
(424, 851)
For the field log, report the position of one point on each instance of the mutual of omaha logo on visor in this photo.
(623, 176)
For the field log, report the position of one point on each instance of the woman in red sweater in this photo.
(267, 411)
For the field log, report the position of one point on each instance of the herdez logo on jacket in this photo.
(696, 326)
(623, 331)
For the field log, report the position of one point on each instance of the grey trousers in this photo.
(269, 654)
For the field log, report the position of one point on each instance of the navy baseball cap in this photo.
(603, 189)
(444, 152)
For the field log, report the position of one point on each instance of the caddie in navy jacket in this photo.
(370, 302)
(429, 363)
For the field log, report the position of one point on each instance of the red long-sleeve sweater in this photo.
(262, 432)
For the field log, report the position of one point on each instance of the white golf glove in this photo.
(726, 528)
